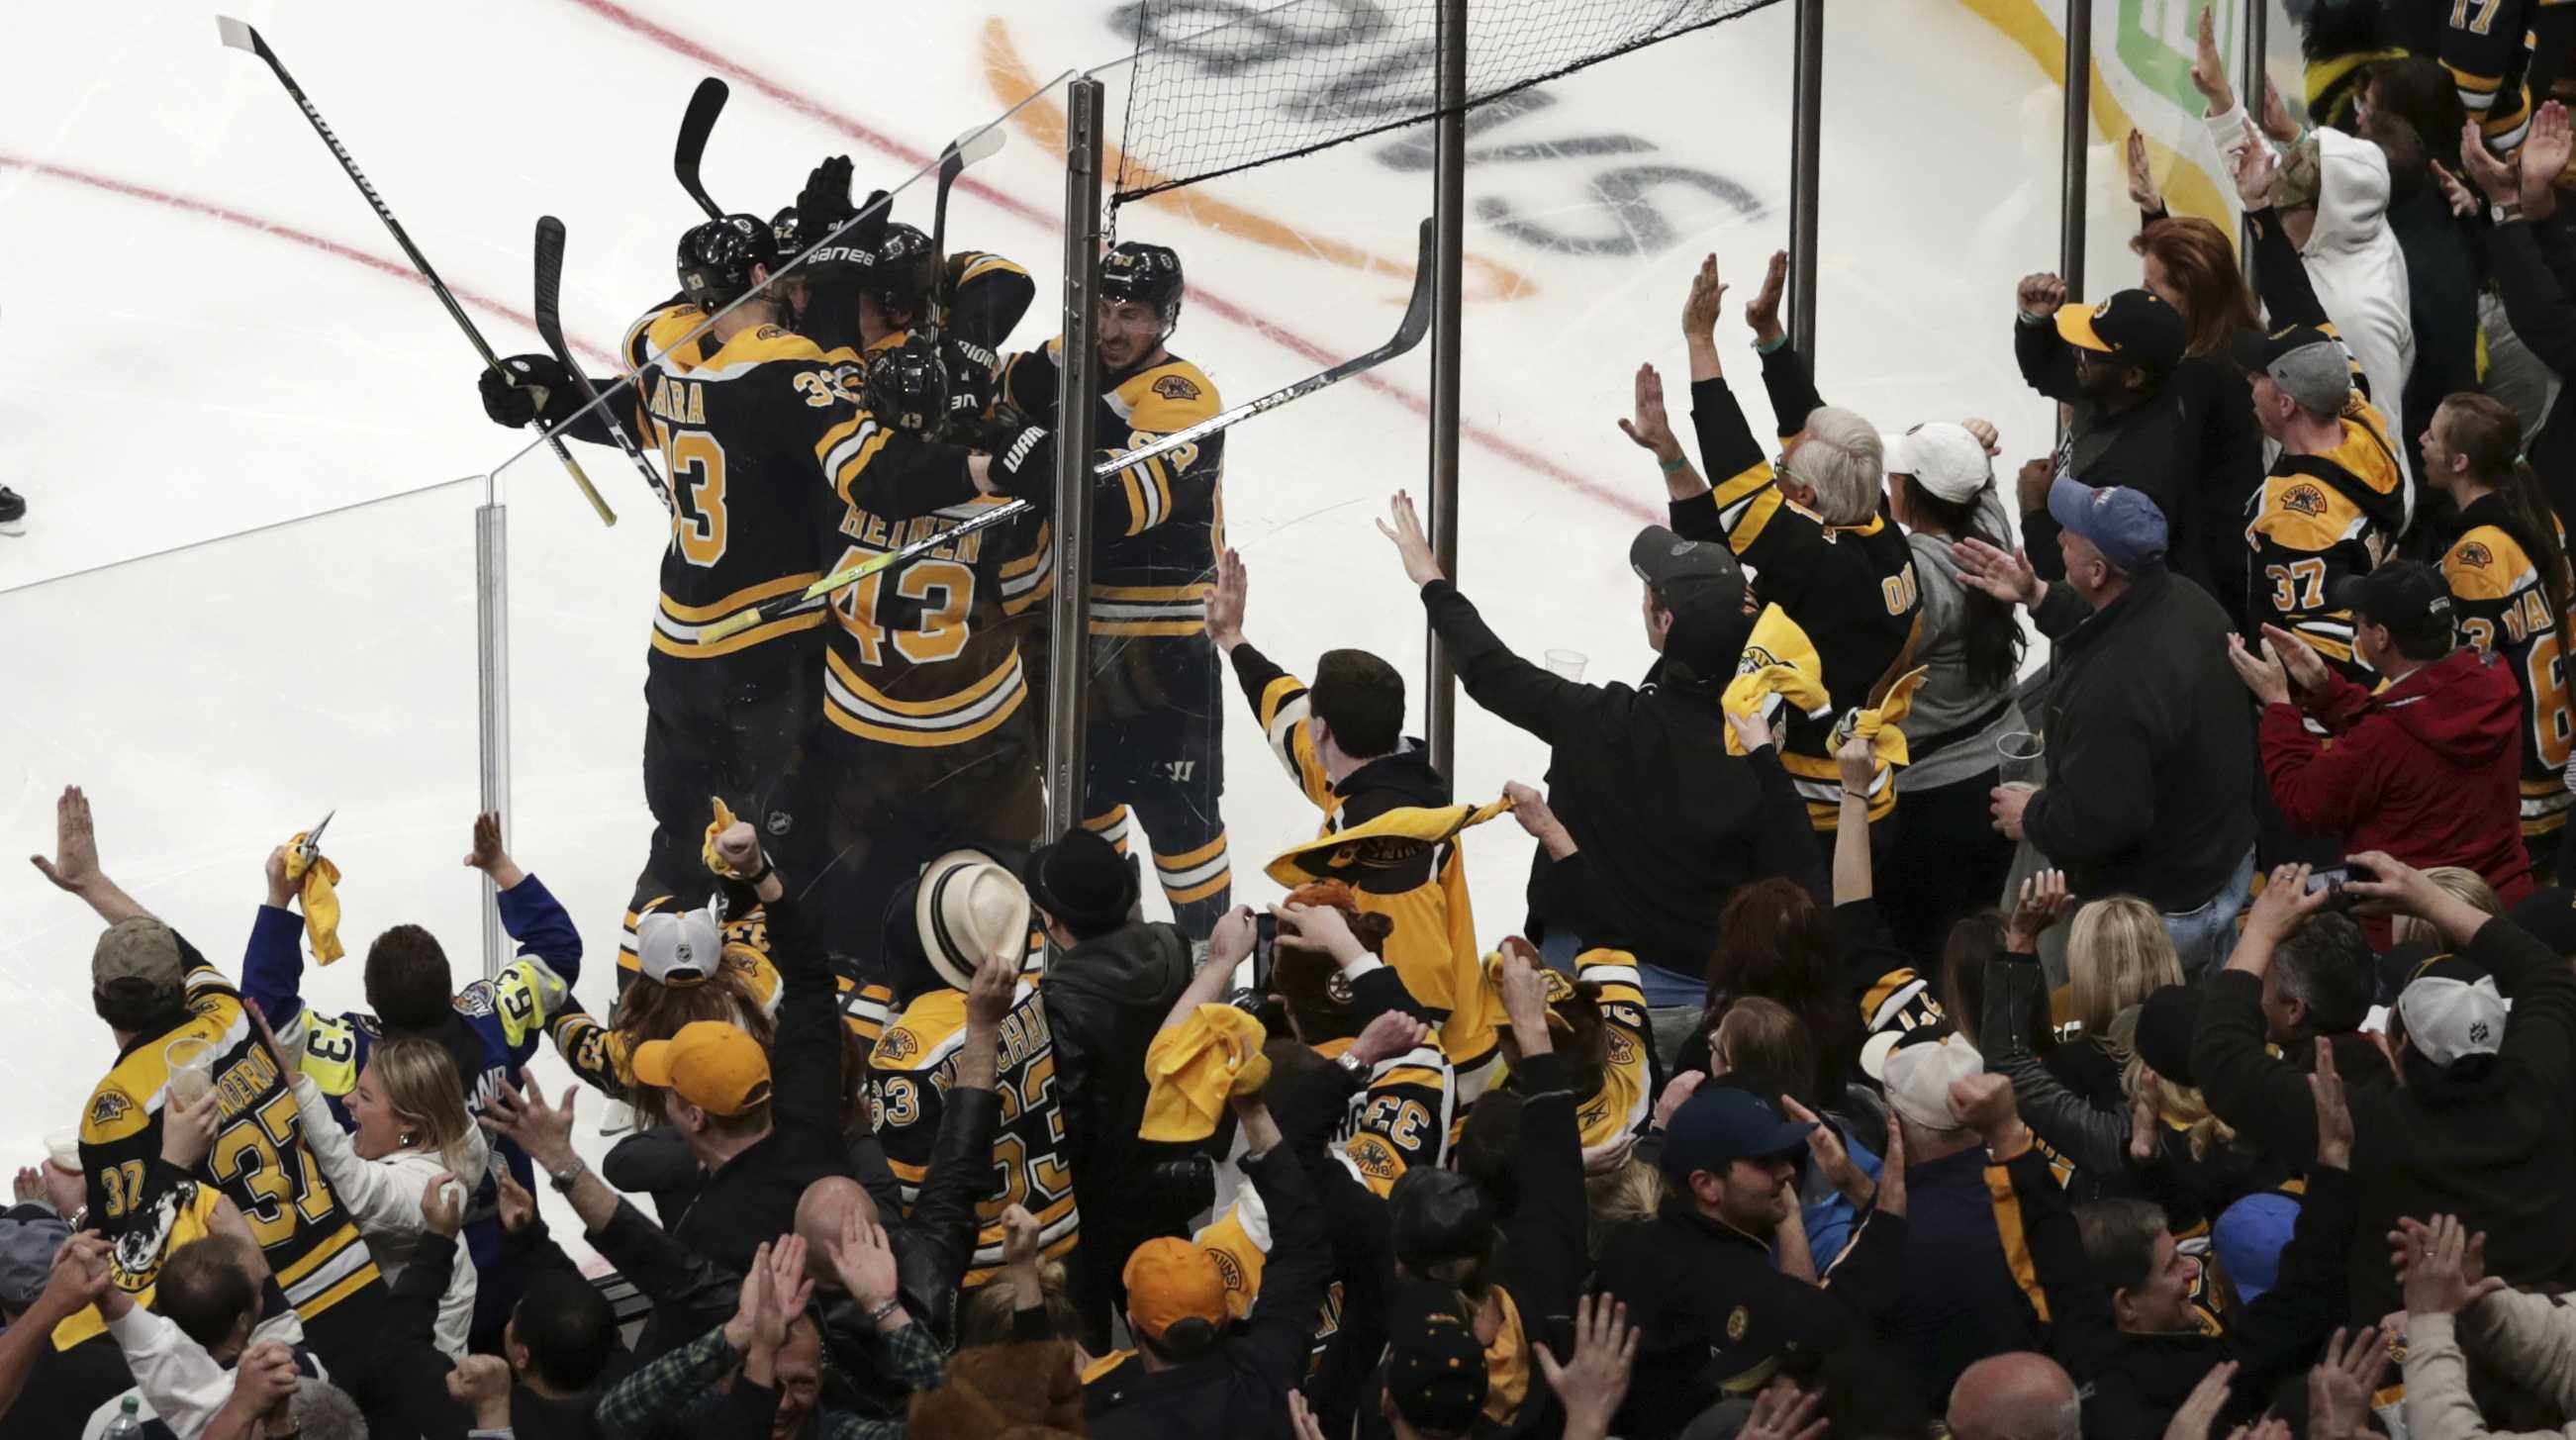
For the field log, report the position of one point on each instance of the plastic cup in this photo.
(2018, 755)
(1568, 664)
(62, 1148)
(192, 1069)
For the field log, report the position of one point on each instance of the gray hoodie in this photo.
(1948, 699)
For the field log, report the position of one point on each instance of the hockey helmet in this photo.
(783, 233)
(900, 277)
(717, 259)
(1148, 275)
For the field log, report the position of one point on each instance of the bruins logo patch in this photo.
(1375, 1158)
(1738, 1321)
(1756, 658)
(1623, 1051)
(1176, 387)
(109, 1108)
(2304, 500)
(1228, 1269)
(897, 1045)
(2473, 553)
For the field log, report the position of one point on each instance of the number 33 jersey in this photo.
(258, 1159)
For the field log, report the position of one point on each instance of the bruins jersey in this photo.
(914, 1063)
(258, 1159)
(1851, 588)
(1401, 1120)
(1626, 1100)
(1433, 945)
(918, 655)
(1238, 1240)
(2317, 519)
(1157, 525)
(2504, 610)
(2503, 56)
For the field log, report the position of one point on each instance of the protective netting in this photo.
(1225, 85)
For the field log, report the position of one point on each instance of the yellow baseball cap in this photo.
(1170, 1280)
(715, 1066)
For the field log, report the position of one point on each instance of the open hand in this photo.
(2142, 178)
(1320, 927)
(2276, 115)
(2298, 659)
(2192, 1419)
(2044, 900)
(2008, 578)
(1782, 1411)
(2390, 887)
(2455, 191)
(2208, 70)
(2256, 170)
(2263, 674)
(1591, 1385)
(1676, 1090)
(2494, 178)
(2433, 1267)
(1763, 311)
(1404, 526)
(518, 1207)
(2334, 1117)
(2545, 151)
(1707, 293)
(864, 1260)
(1652, 428)
(2340, 1387)
(542, 1130)
(487, 854)
(75, 863)
(1825, 1143)
(2285, 901)
(1225, 602)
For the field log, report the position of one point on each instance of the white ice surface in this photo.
(206, 332)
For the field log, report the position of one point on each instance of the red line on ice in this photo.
(805, 105)
(397, 269)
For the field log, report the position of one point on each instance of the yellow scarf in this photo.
(321, 902)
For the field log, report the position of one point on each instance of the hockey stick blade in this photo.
(1409, 333)
(972, 148)
(549, 315)
(239, 36)
(785, 605)
(704, 106)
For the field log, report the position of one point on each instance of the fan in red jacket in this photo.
(2427, 767)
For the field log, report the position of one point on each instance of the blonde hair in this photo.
(1618, 1199)
(2181, 1107)
(2461, 883)
(2117, 954)
(421, 1086)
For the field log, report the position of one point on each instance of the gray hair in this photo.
(324, 1411)
(1844, 461)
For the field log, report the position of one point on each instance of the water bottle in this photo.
(125, 1426)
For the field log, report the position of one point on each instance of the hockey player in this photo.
(1341, 740)
(2505, 559)
(489, 1027)
(1155, 735)
(2336, 499)
(147, 1184)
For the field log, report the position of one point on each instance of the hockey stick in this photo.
(695, 126)
(242, 37)
(550, 248)
(1408, 333)
(972, 148)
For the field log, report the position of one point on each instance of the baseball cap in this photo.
(683, 947)
(2122, 523)
(1702, 570)
(2397, 594)
(2452, 1011)
(2132, 327)
(969, 907)
(2249, 1237)
(2308, 364)
(1170, 1280)
(1943, 458)
(1435, 1371)
(27, 1258)
(1437, 1215)
(1918, 1073)
(715, 1066)
(139, 948)
(1722, 1124)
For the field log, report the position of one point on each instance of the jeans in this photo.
(2203, 936)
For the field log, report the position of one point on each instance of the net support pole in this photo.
(2250, 77)
(2074, 145)
(1806, 130)
(1069, 607)
(1449, 220)
(492, 687)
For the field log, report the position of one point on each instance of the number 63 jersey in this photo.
(258, 1159)
(914, 1063)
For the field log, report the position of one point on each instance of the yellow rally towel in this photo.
(1382, 842)
(724, 821)
(1779, 661)
(321, 902)
(1877, 725)
(1192, 1067)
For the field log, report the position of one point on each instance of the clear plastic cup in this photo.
(1568, 664)
(62, 1149)
(192, 1069)
(2018, 758)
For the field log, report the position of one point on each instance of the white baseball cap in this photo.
(1918, 1074)
(1943, 458)
(679, 947)
(2449, 1016)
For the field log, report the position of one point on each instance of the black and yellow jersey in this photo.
(2317, 519)
(1158, 525)
(1625, 1101)
(909, 1072)
(2504, 56)
(1851, 588)
(2504, 610)
(1423, 889)
(258, 1158)
(1401, 1120)
(917, 655)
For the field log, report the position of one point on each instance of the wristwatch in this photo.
(1351, 1065)
(563, 1179)
(879, 1314)
(2505, 211)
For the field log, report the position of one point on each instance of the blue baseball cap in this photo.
(2122, 523)
(1722, 1124)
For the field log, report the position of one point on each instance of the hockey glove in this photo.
(1023, 464)
(971, 382)
(536, 387)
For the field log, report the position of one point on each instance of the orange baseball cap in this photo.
(1169, 1281)
(715, 1066)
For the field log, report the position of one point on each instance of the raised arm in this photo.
(75, 868)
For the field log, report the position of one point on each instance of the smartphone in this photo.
(1265, 949)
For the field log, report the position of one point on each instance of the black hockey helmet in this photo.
(783, 232)
(1146, 274)
(717, 258)
(900, 278)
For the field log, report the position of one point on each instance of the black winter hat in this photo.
(2166, 1019)
(1082, 881)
